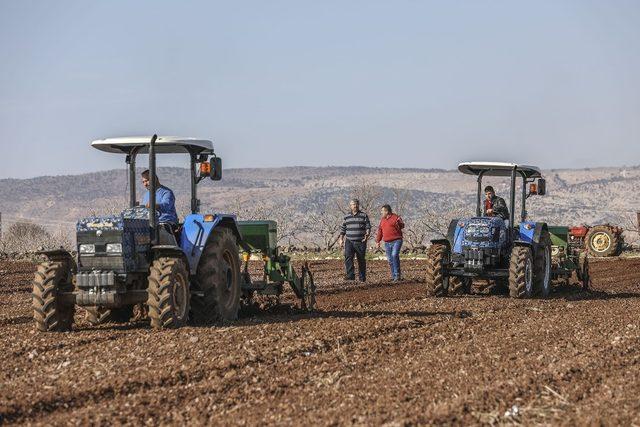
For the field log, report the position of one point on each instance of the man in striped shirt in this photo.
(354, 233)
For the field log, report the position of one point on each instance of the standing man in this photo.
(390, 230)
(354, 233)
(494, 205)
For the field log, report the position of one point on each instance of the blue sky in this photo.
(281, 83)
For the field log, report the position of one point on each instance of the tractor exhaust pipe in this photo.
(152, 190)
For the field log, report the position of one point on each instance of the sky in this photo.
(315, 83)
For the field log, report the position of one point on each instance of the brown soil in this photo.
(375, 353)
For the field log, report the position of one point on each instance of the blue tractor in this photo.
(191, 271)
(494, 248)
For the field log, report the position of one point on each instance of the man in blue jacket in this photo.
(165, 200)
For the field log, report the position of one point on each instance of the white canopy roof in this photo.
(164, 144)
(497, 169)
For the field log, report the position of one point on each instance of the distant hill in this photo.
(594, 195)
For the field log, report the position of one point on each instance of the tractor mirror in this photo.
(216, 168)
(542, 187)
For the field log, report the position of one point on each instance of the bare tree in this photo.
(366, 192)
(324, 224)
(25, 236)
(432, 222)
(286, 217)
(631, 224)
(401, 199)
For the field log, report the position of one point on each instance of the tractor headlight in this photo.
(87, 249)
(114, 248)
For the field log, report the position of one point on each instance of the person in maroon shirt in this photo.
(390, 231)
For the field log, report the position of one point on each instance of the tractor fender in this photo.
(56, 255)
(169, 251)
(441, 242)
(60, 255)
(452, 232)
(454, 236)
(196, 231)
(537, 233)
(530, 232)
(522, 243)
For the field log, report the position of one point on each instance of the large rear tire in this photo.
(49, 312)
(218, 277)
(542, 266)
(437, 281)
(521, 273)
(168, 293)
(602, 241)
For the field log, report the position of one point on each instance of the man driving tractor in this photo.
(494, 205)
(165, 200)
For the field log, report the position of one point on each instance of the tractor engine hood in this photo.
(114, 242)
(480, 232)
(482, 229)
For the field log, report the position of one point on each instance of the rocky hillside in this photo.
(290, 194)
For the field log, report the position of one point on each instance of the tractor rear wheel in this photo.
(583, 271)
(218, 277)
(49, 312)
(542, 266)
(309, 298)
(460, 285)
(99, 315)
(437, 281)
(602, 241)
(168, 293)
(521, 273)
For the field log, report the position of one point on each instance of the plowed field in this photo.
(374, 353)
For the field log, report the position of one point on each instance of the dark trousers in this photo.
(359, 249)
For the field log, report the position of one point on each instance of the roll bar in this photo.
(152, 191)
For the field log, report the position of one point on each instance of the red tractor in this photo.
(600, 240)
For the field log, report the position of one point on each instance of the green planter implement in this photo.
(260, 238)
(567, 257)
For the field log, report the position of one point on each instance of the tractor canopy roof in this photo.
(498, 169)
(164, 144)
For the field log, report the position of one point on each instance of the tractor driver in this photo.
(494, 205)
(165, 200)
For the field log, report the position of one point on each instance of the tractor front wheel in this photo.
(49, 312)
(437, 281)
(218, 278)
(168, 293)
(521, 273)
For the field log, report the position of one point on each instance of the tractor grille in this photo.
(114, 263)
